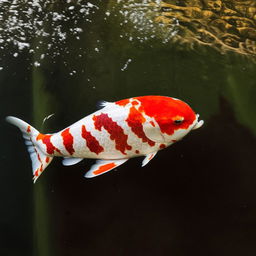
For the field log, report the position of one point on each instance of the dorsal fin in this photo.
(103, 104)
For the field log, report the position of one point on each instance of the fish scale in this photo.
(139, 126)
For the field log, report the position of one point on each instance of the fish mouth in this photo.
(198, 124)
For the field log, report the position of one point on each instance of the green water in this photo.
(195, 198)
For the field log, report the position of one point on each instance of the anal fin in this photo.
(71, 161)
(103, 166)
(148, 158)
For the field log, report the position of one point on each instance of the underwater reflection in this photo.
(224, 25)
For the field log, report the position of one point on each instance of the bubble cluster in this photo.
(42, 28)
(138, 21)
(41, 25)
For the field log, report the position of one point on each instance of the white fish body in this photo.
(139, 126)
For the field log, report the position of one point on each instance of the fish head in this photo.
(178, 121)
(174, 118)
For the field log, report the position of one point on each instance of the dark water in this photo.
(195, 198)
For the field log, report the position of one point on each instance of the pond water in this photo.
(197, 197)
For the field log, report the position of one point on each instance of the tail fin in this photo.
(40, 160)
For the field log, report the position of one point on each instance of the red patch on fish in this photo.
(150, 158)
(135, 102)
(29, 129)
(46, 139)
(162, 146)
(68, 141)
(40, 169)
(91, 141)
(116, 132)
(152, 123)
(104, 168)
(38, 157)
(163, 109)
(135, 120)
(47, 159)
(123, 102)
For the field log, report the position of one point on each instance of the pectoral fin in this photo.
(148, 158)
(103, 166)
(71, 161)
(152, 131)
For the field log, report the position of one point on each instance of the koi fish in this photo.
(139, 126)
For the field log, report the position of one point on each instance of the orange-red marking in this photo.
(46, 139)
(152, 123)
(104, 168)
(38, 157)
(150, 157)
(123, 102)
(134, 103)
(29, 128)
(68, 141)
(162, 146)
(37, 154)
(40, 169)
(40, 136)
(116, 132)
(91, 141)
(135, 120)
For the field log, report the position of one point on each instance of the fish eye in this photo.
(178, 121)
